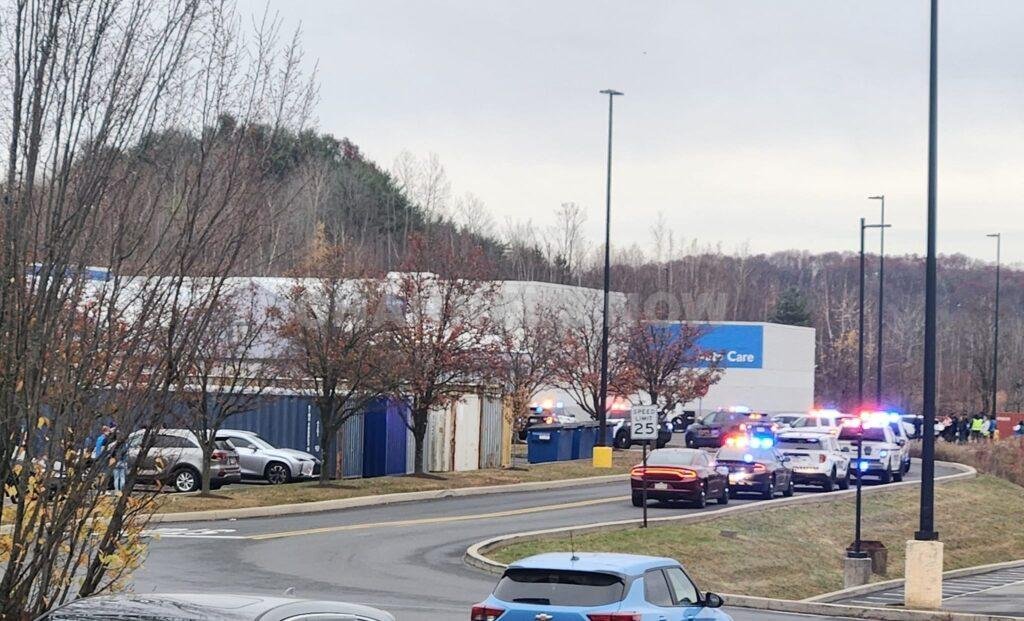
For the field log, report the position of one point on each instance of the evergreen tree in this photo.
(791, 309)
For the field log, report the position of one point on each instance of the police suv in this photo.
(816, 459)
(881, 454)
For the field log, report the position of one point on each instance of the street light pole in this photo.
(995, 344)
(881, 299)
(602, 414)
(926, 531)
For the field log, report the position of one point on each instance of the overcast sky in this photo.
(756, 122)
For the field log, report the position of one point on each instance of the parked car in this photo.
(540, 416)
(899, 431)
(786, 420)
(815, 459)
(680, 474)
(763, 471)
(615, 587)
(623, 438)
(829, 421)
(175, 459)
(190, 607)
(880, 454)
(712, 430)
(259, 459)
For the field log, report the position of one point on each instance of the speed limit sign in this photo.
(643, 424)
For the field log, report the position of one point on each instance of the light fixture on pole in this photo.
(602, 406)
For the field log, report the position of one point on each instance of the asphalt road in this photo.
(405, 558)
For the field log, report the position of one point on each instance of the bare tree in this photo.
(229, 372)
(113, 157)
(443, 344)
(334, 323)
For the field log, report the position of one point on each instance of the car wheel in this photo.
(886, 475)
(906, 467)
(638, 499)
(724, 498)
(622, 440)
(829, 483)
(185, 480)
(688, 440)
(789, 488)
(702, 500)
(769, 490)
(277, 473)
(898, 475)
(844, 483)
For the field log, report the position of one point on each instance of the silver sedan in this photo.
(260, 459)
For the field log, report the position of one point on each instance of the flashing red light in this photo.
(759, 469)
(481, 612)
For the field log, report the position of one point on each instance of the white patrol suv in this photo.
(816, 459)
(880, 454)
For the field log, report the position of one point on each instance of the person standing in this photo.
(120, 460)
(977, 428)
(965, 429)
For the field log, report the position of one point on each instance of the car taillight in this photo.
(485, 613)
(614, 616)
(822, 459)
(760, 469)
(683, 474)
(219, 455)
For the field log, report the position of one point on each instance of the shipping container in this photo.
(467, 433)
(385, 438)
(491, 432)
(352, 447)
(440, 439)
(286, 421)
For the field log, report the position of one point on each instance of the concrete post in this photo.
(856, 571)
(923, 587)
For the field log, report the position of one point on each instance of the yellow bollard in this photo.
(602, 457)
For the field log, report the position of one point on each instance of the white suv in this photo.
(880, 454)
(828, 421)
(815, 459)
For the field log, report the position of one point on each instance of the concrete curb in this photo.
(888, 584)
(854, 612)
(383, 499)
(475, 555)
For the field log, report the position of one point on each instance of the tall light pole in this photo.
(995, 343)
(602, 414)
(923, 571)
(881, 298)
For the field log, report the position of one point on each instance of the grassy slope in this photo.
(235, 496)
(795, 552)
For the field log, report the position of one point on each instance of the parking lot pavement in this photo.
(406, 558)
(997, 592)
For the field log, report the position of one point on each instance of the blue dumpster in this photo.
(584, 435)
(545, 443)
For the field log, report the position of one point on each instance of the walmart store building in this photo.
(768, 367)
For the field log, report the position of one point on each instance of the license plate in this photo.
(737, 477)
(661, 486)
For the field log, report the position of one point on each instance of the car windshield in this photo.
(871, 434)
(800, 443)
(740, 454)
(671, 458)
(558, 587)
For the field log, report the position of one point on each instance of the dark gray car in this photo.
(203, 607)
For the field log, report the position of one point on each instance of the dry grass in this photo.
(796, 552)
(1003, 458)
(237, 496)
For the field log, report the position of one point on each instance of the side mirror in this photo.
(711, 600)
(901, 442)
(253, 449)
(722, 470)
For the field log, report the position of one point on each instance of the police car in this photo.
(816, 459)
(880, 454)
(623, 438)
(895, 422)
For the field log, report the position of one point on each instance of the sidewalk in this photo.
(991, 589)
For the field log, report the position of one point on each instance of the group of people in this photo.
(114, 449)
(977, 428)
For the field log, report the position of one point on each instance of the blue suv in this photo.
(597, 587)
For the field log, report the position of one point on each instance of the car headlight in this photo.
(883, 453)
